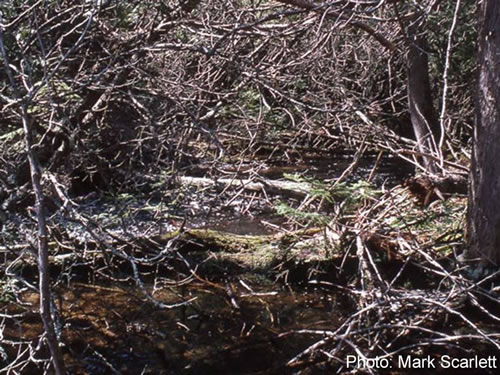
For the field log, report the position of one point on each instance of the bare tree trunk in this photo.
(483, 232)
(43, 250)
(421, 106)
(423, 115)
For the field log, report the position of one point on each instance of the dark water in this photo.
(387, 170)
(256, 333)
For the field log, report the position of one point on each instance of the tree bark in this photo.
(483, 232)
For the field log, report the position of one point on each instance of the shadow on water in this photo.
(109, 329)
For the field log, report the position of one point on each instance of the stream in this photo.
(247, 324)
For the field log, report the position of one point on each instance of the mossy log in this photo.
(249, 252)
(256, 252)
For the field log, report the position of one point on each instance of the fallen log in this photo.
(287, 188)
